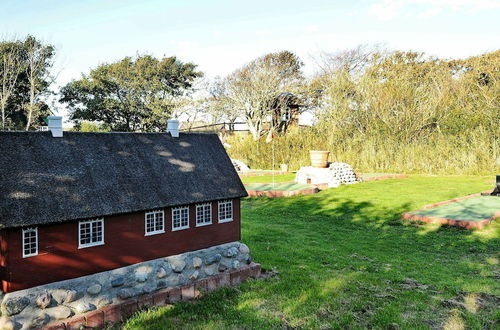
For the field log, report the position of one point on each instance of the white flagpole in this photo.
(273, 160)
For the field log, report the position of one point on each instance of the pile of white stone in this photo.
(239, 165)
(343, 172)
(334, 175)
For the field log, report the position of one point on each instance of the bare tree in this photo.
(253, 90)
(352, 61)
(219, 104)
(11, 67)
(39, 59)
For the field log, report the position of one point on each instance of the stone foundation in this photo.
(111, 296)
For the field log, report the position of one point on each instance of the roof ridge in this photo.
(111, 132)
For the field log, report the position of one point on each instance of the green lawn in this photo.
(269, 178)
(366, 176)
(343, 259)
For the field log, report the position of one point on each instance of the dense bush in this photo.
(475, 153)
(402, 112)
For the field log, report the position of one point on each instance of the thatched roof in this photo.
(84, 175)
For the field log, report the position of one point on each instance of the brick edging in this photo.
(120, 312)
(448, 221)
(251, 174)
(430, 206)
(281, 193)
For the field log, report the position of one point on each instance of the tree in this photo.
(10, 68)
(219, 104)
(25, 79)
(133, 94)
(253, 91)
(39, 59)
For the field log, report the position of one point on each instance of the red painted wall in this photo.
(59, 257)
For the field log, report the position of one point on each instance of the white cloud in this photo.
(389, 9)
(311, 28)
(430, 13)
(263, 32)
(385, 10)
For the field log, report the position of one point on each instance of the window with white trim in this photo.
(203, 214)
(90, 233)
(154, 222)
(30, 242)
(180, 218)
(226, 211)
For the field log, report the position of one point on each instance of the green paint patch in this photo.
(472, 209)
(278, 187)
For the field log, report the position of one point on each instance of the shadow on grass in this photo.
(346, 260)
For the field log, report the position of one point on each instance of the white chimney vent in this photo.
(55, 126)
(173, 127)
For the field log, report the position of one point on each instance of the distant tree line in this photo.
(366, 101)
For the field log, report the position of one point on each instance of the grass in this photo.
(278, 187)
(373, 175)
(280, 178)
(473, 209)
(343, 259)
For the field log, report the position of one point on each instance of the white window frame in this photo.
(220, 203)
(30, 230)
(180, 208)
(154, 213)
(80, 245)
(203, 210)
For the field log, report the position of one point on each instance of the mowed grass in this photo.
(269, 178)
(344, 259)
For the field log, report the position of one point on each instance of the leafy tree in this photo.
(88, 126)
(133, 94)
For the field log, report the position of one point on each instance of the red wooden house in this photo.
(75, 204)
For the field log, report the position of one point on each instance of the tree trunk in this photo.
(32, 104)
(3, 115)
(254, 129)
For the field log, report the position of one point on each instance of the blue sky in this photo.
(221, 36)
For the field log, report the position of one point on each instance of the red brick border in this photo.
(119, 312)
(282, 193)
(447, 221)
(247, 174)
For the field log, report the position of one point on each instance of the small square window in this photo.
(203, 214)
(154, 222)
(225, 211)
(30, 242)
(180, 218)
(90, 233)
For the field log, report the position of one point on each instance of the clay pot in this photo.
(319, 158)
